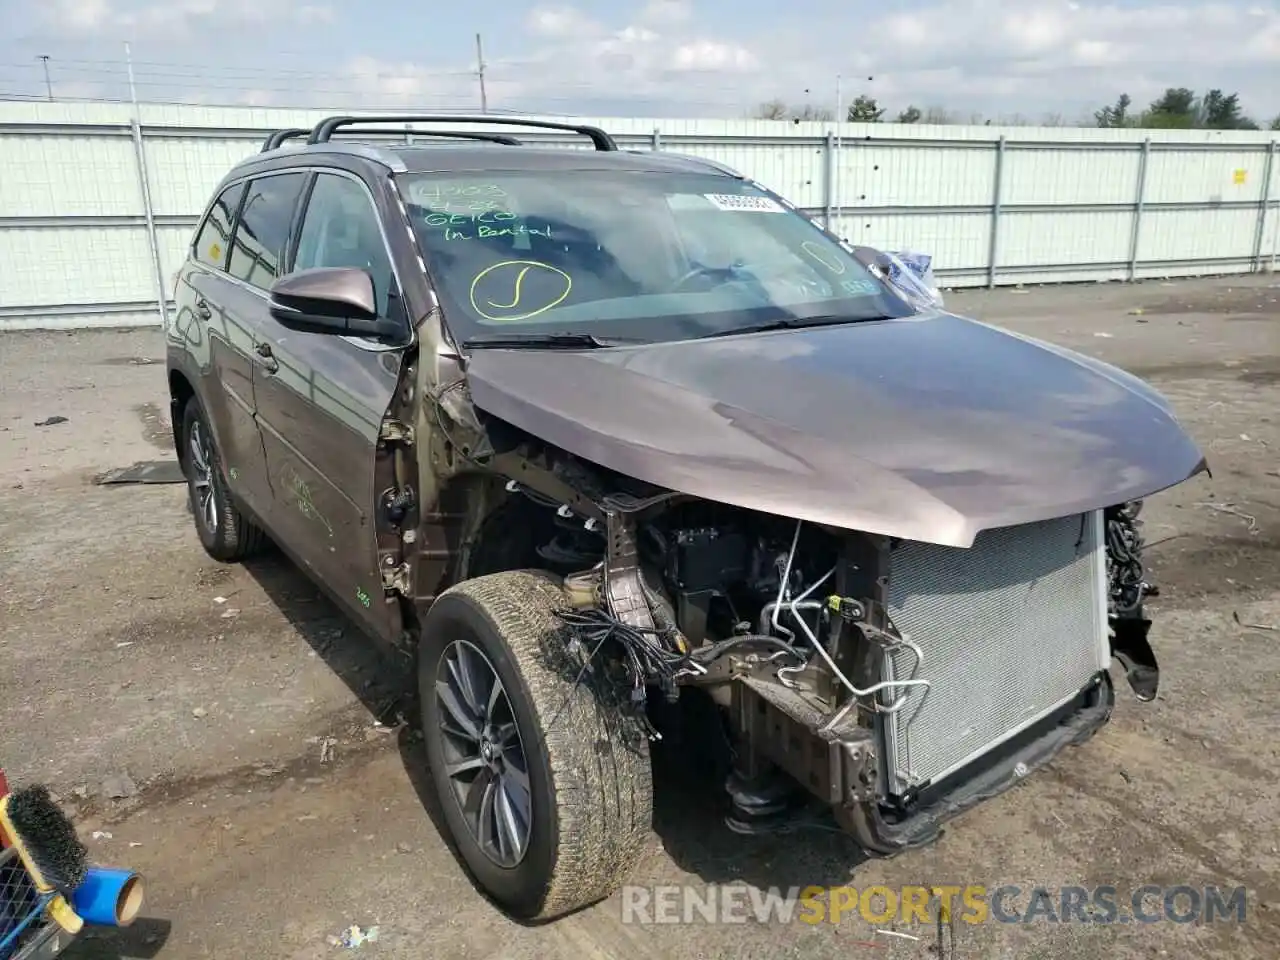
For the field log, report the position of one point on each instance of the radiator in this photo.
(1010, 629)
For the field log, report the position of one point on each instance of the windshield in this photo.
(648, 256)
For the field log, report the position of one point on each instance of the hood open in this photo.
(930, 428)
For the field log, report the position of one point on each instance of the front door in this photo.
(321, 400)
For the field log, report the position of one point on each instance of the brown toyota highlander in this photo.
(617, 447)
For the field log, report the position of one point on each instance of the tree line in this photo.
(1178, 108)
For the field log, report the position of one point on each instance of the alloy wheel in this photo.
(483, 753)
(203, 494)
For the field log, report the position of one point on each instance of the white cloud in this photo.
(1078, 53)
(561, 22)
(677, 57)
(149, 18)
(666, 12)
(377, 83)
(80, 14)
(707, 55)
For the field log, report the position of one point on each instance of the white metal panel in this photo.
(1189, 269)
(1197, 234)
(908, 174)
(79, 265)
(1203, 175)
(1069, 176)
(1093, 274)
(68, 176)
(1066, 237)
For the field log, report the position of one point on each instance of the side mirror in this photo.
(338, 301)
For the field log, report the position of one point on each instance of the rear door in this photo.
(256, 251)
(321, 401)
(216, 349)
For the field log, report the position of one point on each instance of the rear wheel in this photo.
(225, 533)
(545, 783)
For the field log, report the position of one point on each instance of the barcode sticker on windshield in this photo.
(750, 204)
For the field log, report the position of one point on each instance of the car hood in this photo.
(928, 428)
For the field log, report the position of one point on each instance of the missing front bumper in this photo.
(840, 766)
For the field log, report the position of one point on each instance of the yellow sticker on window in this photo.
(215, 251)
(1238, 177)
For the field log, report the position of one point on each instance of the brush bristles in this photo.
(49, 837)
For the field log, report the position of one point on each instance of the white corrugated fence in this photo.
(97, 206)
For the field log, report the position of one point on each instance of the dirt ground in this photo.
(269, 811)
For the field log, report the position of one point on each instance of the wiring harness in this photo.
(648, 656)
(1125, 568)
(644, 656)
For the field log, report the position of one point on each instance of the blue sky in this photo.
(665, 58)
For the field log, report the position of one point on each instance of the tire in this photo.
(586, 759)
(225, 533)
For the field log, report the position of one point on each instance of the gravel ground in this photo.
(241, 707)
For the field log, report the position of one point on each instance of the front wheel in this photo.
(545, 782)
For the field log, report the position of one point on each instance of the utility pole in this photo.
(484, 97)
(835, 166)
(133, 87)
(48, 84)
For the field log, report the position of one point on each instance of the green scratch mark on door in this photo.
(302, 498)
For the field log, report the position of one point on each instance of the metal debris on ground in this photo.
(1234, 511)
(895, 933)
(354, 937)
(144, 471)
(1252, 626)
(326, 749)
(51, 422)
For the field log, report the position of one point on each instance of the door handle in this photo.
(266, 358)
(202, 308)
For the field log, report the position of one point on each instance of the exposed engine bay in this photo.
(887, 682)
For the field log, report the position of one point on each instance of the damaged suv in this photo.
(618, 445)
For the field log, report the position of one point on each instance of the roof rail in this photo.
(278, 138)
(599, 139)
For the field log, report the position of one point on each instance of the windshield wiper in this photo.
(794, 323)
(544, 341)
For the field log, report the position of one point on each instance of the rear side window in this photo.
(340, 229)
(258, 249)
(214, 237)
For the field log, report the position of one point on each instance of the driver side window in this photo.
(340, 229)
